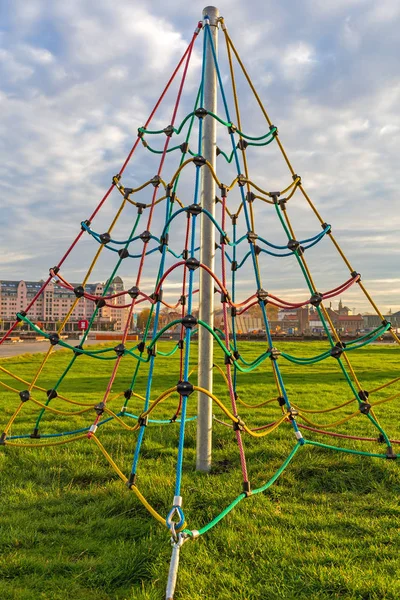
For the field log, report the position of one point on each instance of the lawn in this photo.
(328, 528)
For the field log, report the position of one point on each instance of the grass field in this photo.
(328, 528)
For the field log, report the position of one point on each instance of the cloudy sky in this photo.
(78, 78)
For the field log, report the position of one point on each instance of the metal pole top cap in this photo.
(212, 13)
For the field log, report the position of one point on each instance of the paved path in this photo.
(10, 349)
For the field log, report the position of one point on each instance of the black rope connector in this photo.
(51, 394)
(169, 130)
(123, 253)
(246, 488)
(257, 250)
(275, 196)
(228, 359)
(224, 190)
(233, 311)
(234, 265)
(224, 297)
(141, 346)
(55, 269)
(152, 350)
(99, 408)
(184, 388)
(223, 238)
(294, 246)
(128, 394)
(180, 344)
(282, 203)
(241, 180)
(251, 236)
(182, 300)
(145, 236)
(169, 187)
(250, 197)
(337, 349)
(155, 181)
(281, 401)
(127, 192)
(184, 147)
(199, 160)
(134, 292)
(105, 238)
(189, 321)
(262, 295)
(316, 299)
(239, 424)
(236, 354)
(87, 223)
(185, 254)
(292, 413)
(100, 302)
(363, 395)
(390, 454)
(234, 219)
(354, 274)
(365, 407)
(35, 435)
(25, 395)
(201, 112)
(79, 291)
(295, 176)
(173, 419)
(217, 150)
(194, 209)
(192, 263)
(274, 353)
(76, 350)
(242, 144)
(54, 338)
(143, 421)
(20, 315)
(327, 226)
(385, 322)
(119, 350)
(131, 481)
(157, 296)
(232, 128)
(381, 439)
(3, 439)
(117, 178)
(140, 207)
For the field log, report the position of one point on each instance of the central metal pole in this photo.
(207, 253)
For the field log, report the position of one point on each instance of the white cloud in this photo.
(70, 108)
(298, 61)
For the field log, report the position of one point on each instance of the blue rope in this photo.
(179, 462)
(263, 309)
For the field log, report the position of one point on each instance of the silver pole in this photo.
(207, 254)
(174, 564)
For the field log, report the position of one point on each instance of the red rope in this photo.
(126, 329)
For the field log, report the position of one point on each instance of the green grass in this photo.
(328, 528)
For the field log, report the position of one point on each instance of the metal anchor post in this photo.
(174, 564)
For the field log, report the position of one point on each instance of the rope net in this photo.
(161, 244)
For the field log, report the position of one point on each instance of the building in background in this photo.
(55, 302)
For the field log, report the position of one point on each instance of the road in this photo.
(15, 349)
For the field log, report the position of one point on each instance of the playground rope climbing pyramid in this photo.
(231, 232)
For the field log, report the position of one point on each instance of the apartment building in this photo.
(55, 302)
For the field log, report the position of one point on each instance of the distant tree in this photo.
(255, 312)
(143, 318)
